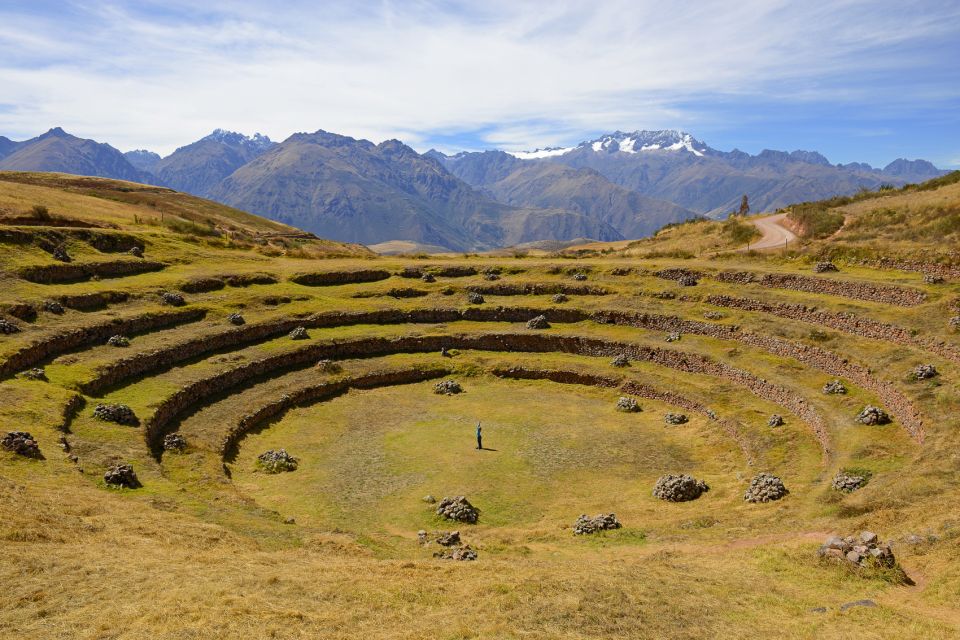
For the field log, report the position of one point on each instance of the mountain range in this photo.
(620, 185)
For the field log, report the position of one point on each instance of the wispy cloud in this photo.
(498, 73)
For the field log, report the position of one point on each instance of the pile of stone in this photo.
(236, 318)
(174, 442)
(54, 307)
(8, 327)
(491, 277)
(300, 333)
(540, 322)
(442, 538)
(475, 298)
(118, 341)
(676, 418)
(955, 322)
(172, 299)
(765, 487)
(21, 443)
(679, 488)
(824, 267)
(585, 525)
(121, 475)
(116, 413)
(627, 405)
(930, 278)
(36, 373)
(579, 277)
(872, 416)
(459, 509)
(847, 482)
(924, 372)
(687, 280)
(276, 461)
(61, 254)
(464, 553)
(620, 360)
(713, 315)
(136, 252)
(673, 336)
(447, 387)
(834, 387)
(560, 297)
(328, 366)
(864, 550)
(428, 277)
(776, 420)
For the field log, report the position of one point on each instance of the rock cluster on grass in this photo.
(442, 538)
(61, 254)
(872, 416)
(834, 387)
(776, 420)
(924, 372)
(21, 443)
(136, 252)
(236, 319)
(276, 461)
(429, 499)
(172, 299)
(675, 418)
(560, 298)
(475, 298)
(621, 271)
(585, 525)
(464, 553)
(35, 373)
(174, 442)
(847, 482)
(8, 327)
(491, 277)
(620, 360)
(673, 336)
(824, 267)
(428, 277)
(765, 487)
(447, 387)
(540, 322)
(118, 341)
(628, 405)
(713, 315)
(579, 277)
(679, 488)
(53, 307)
(458, 508)
(864, 550)
(328, 366)
(117, 413)
(955, 322)
(300, 333)
(687, 280)
(932, 278)
(121, 475)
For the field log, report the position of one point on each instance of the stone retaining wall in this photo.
(77, 271)
(330, 278)
(508, 289)
(887, 294)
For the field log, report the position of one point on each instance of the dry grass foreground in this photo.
(211, 546)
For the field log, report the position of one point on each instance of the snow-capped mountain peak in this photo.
(546, 152)
(619, 141)
(233, 138)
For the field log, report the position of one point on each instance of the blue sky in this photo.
(855, 80)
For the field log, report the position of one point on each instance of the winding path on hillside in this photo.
(774, 234)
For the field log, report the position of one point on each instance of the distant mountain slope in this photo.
(142, 159)
(356, 191)
(552, 185)
(7, 146)
(57, 150)
(198, 167)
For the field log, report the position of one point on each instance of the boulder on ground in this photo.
(429, 499)
(628, 405)
(300, 333)
(491, 277)
(21, 443)
(464, 553)
(236, 319)
(824, 267)
(673, 336)
(873, 416)
(172, 299)
(116, 413)
(713, 315)
(442, 538)
(118, 341)
(539, 322)
(8, 327)
(776, 420)
(862, 551)
(54, 307)
(60, 253)
(679, 488)
(458, 508)
(676, 418)
(428, 277)
(579, 277)
(329, 366)
(932, 278)
(559, 298)
(834, 387)
(687, 280)
(765, 487)
(955, 322)
(620, 360)
(475, 298)
(121, 475)
(136, 252)
(276, 461)
(847, 482)
(36, 373)
(447, 387)
(585, 525)
(924, 372)
(174, 442)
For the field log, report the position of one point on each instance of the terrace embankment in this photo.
(79, 271)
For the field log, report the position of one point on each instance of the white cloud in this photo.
(527, 74)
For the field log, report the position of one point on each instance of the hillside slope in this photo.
(58, 151)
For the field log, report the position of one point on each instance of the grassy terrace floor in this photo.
(204, 549)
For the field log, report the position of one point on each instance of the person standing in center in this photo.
(479, 437)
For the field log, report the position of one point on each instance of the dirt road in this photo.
(775, 236)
